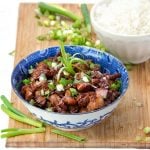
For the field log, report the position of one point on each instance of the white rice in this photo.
(130, 17)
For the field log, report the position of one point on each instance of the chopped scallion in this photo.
(146, 130)
(129, 66)
(73, 92)
(65, 82)
(52, 17)
(52, 23)
(41, 38)
(92, 65)
(85, 79)
(47, 62)
(54, 64)
(59, 87)
(46, 23)
(77, 24)
(47, 92)
(31, 70)
(116, 85)
(42, 77)
(51, 86)
(12, 53)
(26, 81)
(65, 73)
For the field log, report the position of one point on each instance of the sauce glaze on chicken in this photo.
(52, 87)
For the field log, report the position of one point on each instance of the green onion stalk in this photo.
(11, 132)
(15, 114)
(68, 135)
(58, 10)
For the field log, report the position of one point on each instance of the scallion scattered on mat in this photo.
(11, 132)
(146, 130)
(68, 135)
(86, 16)
(58, 10)
(76, 31)
(12, 53)
(15, 114)
(129, 66)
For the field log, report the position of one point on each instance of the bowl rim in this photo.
(74, 114)
(92, 12)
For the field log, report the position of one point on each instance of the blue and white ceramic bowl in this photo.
(77, 121)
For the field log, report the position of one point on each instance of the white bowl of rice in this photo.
(124, 28)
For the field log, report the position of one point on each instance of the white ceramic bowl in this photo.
(76, 121)
(129, 48)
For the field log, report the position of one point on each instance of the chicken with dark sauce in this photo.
(68, 84)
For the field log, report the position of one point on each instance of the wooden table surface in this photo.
(119, 130)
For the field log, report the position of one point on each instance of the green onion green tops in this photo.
(68, 135)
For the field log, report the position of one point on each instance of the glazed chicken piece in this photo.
(43, 68)
(54, 99)
(74, 109)
(61, 107)
(39, 99)
(114, 76)
(95, 103)
(112, 95)
(101, 92)
(83, 100)
(27, 91)
(84, 87)
(69, 100)
(36, 85)
(83, 110)
(67, 93)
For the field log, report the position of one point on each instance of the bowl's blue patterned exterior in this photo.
(71, 121)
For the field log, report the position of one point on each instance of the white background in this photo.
(8, 28)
